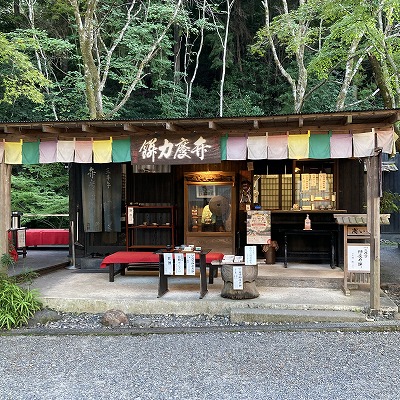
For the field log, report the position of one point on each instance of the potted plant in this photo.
(269, 250)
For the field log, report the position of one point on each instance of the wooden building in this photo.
(157, 190)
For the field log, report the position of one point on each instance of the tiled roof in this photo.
(359, 219)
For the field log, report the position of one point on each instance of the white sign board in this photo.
(358, 258)
(21, 237)
(179, 264)
(190, 263)
(237, 278)
(168, 264)
(130, 216)
(250, 255)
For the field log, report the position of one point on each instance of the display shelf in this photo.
(149, 227)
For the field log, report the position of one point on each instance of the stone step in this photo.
(256, 315)
(313, 282)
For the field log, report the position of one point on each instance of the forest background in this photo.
(115, 59)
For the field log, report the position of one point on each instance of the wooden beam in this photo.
(11, 130)
(394, 118)
(373, 226)
(5, 209)
(88, 128)
(135, 129)
(169, 126)
(212, 125)
(50, 129)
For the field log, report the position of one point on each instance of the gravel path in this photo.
(241, 365)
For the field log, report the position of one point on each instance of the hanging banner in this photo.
(112, 197)
(176, 149)
(92, 209)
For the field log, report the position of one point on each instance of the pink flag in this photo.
(277, 147)
(341, 145)
(47, 152)
(83, 151)
(236, 148)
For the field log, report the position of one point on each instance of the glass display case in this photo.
(210, 210)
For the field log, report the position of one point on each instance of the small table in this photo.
(201, 262)
(311, 234)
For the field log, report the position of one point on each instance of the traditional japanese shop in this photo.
(144, 185)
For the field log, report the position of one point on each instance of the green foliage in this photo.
(18, 76)
(17, 304)
(41, 189)
(390, 202)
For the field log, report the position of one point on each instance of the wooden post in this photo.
(373, 219)
(5, 209)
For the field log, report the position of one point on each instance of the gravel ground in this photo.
(236, 365)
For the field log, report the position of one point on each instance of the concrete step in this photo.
(312, 282)
(253, 315)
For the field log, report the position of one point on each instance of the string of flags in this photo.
(140, 149)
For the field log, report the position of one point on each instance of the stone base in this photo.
(250, 273)
(249, 291)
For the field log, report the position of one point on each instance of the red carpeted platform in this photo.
(47, 237)
(142, 259)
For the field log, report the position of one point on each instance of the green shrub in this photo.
(17, 303)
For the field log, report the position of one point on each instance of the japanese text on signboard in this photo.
(175, 149)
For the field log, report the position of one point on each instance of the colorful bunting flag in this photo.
(257, 147)
(298, 146)
(364, 144)
(30, 153)
(277, 147)
(102, 151)
(65, 151)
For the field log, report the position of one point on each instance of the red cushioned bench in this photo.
(145, 260)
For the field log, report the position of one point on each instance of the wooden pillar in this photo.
(373, 214)
(5, 209)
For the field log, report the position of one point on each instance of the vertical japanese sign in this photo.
(305, 182)
(358, 258)
(190, 263)
(322, 182)
(168, 264)
(187, 148)
(237, 278)
(179, 264)
(250, 255)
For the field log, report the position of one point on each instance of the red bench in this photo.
(145, 260)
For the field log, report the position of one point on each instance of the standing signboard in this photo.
(258, 226)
